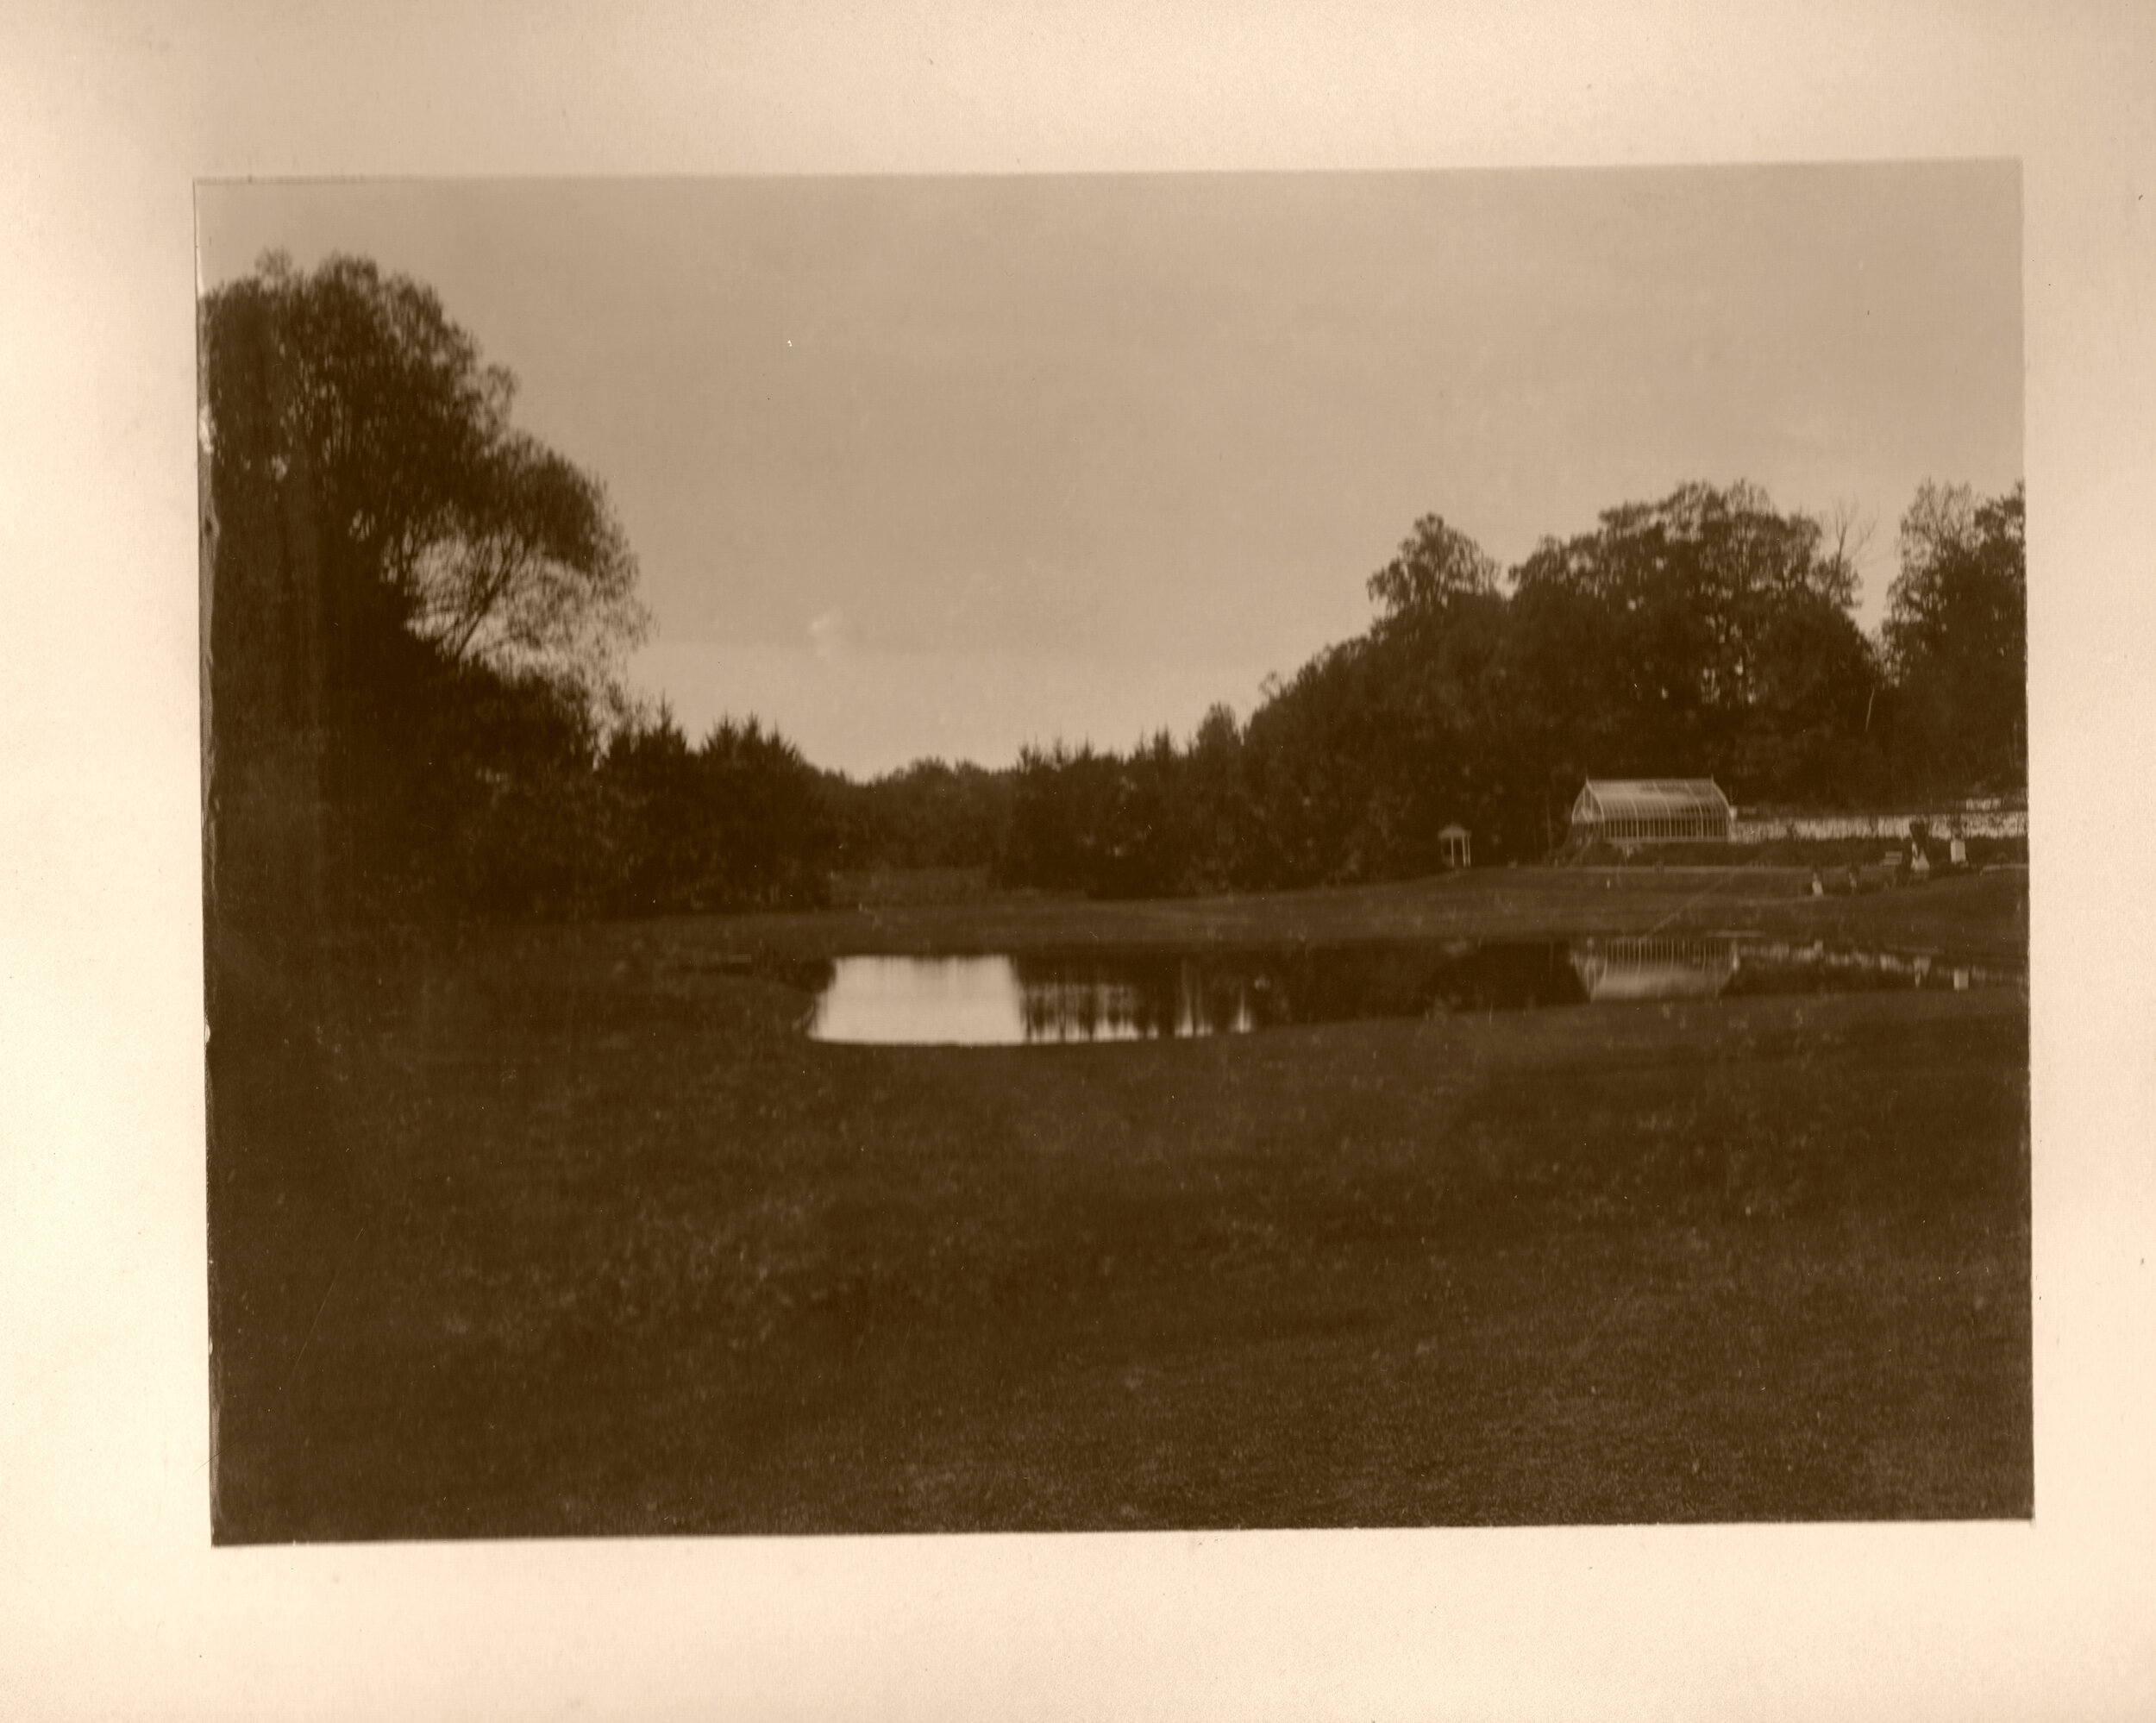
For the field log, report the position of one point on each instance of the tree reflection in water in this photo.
(1147, 996)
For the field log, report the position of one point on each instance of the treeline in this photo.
(1704, 634)
(414, 614)
(928, 815)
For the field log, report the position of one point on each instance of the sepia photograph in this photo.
(951, 862)
(970, 853)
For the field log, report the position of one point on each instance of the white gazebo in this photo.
(1454, 847)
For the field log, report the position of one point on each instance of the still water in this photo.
(1133, 996)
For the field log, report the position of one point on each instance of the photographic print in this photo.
(1132, 852)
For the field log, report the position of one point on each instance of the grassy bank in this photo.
(565, 1230)
(1977, 916)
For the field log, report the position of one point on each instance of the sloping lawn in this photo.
(568, 1230)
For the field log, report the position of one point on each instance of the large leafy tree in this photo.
(1701, 632)
(357, 388)
(1436, 565)
(386, 557)
(1957, 636)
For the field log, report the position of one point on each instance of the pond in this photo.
(1096, 995)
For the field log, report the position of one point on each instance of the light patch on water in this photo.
(973, 1001)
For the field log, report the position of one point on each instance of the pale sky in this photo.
(941, 467)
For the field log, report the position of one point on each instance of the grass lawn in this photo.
(567, 1231)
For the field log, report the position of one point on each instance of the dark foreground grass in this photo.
(568, 1232)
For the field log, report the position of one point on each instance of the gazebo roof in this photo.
(1655, 798)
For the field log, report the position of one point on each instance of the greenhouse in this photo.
(1626, 811)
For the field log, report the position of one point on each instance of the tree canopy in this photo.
(353, 395)
(1956, 632)
(1434, 567)
(414, 608)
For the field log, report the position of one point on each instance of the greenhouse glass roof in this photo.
(1652, 797)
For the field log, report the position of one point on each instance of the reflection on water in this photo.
(1614, 970)
(973, 1000)
(1132, 996)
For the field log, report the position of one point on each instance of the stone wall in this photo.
(1975, 821)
